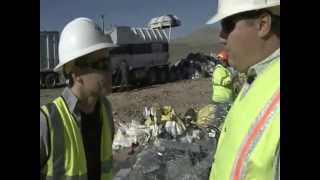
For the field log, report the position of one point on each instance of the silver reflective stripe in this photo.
(106, 166)
(58, 149)
(255, 142)
(256, 136)
(276, 164)
(63, 177)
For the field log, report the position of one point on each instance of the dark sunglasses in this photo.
(229, 23)
(101, 64)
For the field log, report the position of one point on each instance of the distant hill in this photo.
(205, 40)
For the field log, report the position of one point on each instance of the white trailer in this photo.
(141, 56)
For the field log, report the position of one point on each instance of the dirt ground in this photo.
(129, 105)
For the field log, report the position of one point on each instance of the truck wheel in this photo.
(50, 81)
(152, 76)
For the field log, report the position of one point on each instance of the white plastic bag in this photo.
(130, 134)
(174, 128)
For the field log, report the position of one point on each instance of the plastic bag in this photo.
(175, 128)
(130, 134)
(205, 116)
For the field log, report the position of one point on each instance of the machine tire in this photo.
(51, 80)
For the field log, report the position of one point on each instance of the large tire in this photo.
(51, 80)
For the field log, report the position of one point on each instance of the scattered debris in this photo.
(128, 135)
(194, 66)
(173, 148)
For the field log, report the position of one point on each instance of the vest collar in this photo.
(258, 68)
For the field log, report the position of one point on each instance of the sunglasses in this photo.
(229, 23)
(102, 64)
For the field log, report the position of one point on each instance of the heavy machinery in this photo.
(49, 41)
(168, 21)
(141, 56)
(165, 21)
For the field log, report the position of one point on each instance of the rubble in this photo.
(122, 174)
(199, 65)
(212, 115)
(167, 144)
(164, 154)
(170, 161)
(194, 66)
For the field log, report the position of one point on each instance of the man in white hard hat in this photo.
(249, 144)
(76, 128)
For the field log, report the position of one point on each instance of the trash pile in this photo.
(194, 66)
(171, 147)
(199, 65)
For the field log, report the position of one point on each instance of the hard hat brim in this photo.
(83, 52)
(222, 15)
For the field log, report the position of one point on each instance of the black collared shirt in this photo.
(91, 136)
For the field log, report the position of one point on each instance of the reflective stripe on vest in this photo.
(240, 121)
(67, 160)
(276, 164)
(251, 140)
(59, 145)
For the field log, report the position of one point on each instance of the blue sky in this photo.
(54, 14)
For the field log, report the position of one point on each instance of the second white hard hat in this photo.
(228, 8)
(80, 37)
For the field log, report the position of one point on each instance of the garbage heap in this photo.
(194, 66)
(199, 65)
(168, 146)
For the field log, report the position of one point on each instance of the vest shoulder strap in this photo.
(58, 133)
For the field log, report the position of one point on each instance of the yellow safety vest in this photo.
(221, 85)
(247, 148)
(67, 157)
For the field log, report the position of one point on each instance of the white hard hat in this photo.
(228, 8)
(80, 37)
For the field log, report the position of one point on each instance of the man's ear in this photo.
(264, 25)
